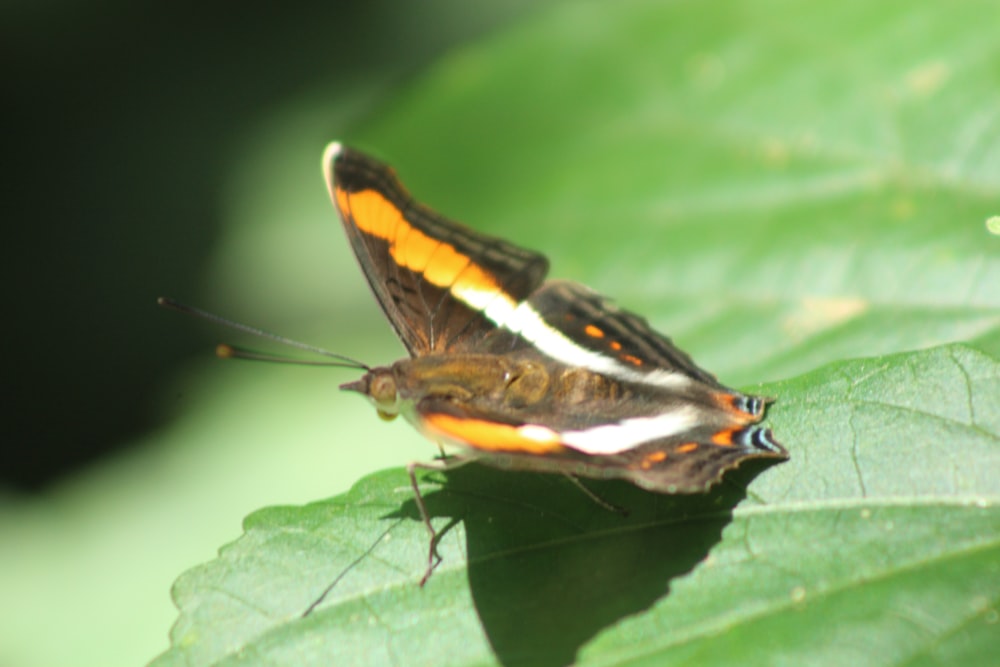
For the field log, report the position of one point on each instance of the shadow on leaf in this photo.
(548, 569)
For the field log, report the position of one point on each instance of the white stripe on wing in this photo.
(525, 321)
(630, 433)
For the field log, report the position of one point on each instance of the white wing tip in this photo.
(333, 150)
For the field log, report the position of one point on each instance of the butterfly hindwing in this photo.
(596, 323)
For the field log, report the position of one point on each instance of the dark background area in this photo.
(121, 120)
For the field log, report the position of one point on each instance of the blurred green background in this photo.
(173, 149)
(783, 186)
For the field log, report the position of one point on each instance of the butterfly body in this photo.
(521, 373)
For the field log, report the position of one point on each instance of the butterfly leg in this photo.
(440, 465)
(611, 507)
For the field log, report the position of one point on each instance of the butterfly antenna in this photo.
(226, 351)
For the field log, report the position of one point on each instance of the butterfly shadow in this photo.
(548, 568)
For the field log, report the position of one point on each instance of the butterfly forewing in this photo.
(434, 278)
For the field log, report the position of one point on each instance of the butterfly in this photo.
(511, 370)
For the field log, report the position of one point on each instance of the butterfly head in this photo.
(381, 388)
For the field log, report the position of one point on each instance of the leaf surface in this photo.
(791, 191)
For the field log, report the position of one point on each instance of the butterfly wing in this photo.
(688, 457)
(619, 400)
(598, 325)
(591, 390)
(438, 282)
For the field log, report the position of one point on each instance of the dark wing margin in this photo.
(694, 463)
(596, 323)
(418, 263)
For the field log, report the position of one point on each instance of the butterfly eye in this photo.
(383, 392)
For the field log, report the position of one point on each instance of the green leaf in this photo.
(788, 189)
(878, 543)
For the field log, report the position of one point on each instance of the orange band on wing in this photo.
(652, 459)
(440, 263)
(724, 438)
(632, 359)
(728, 402)
(482, 434)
